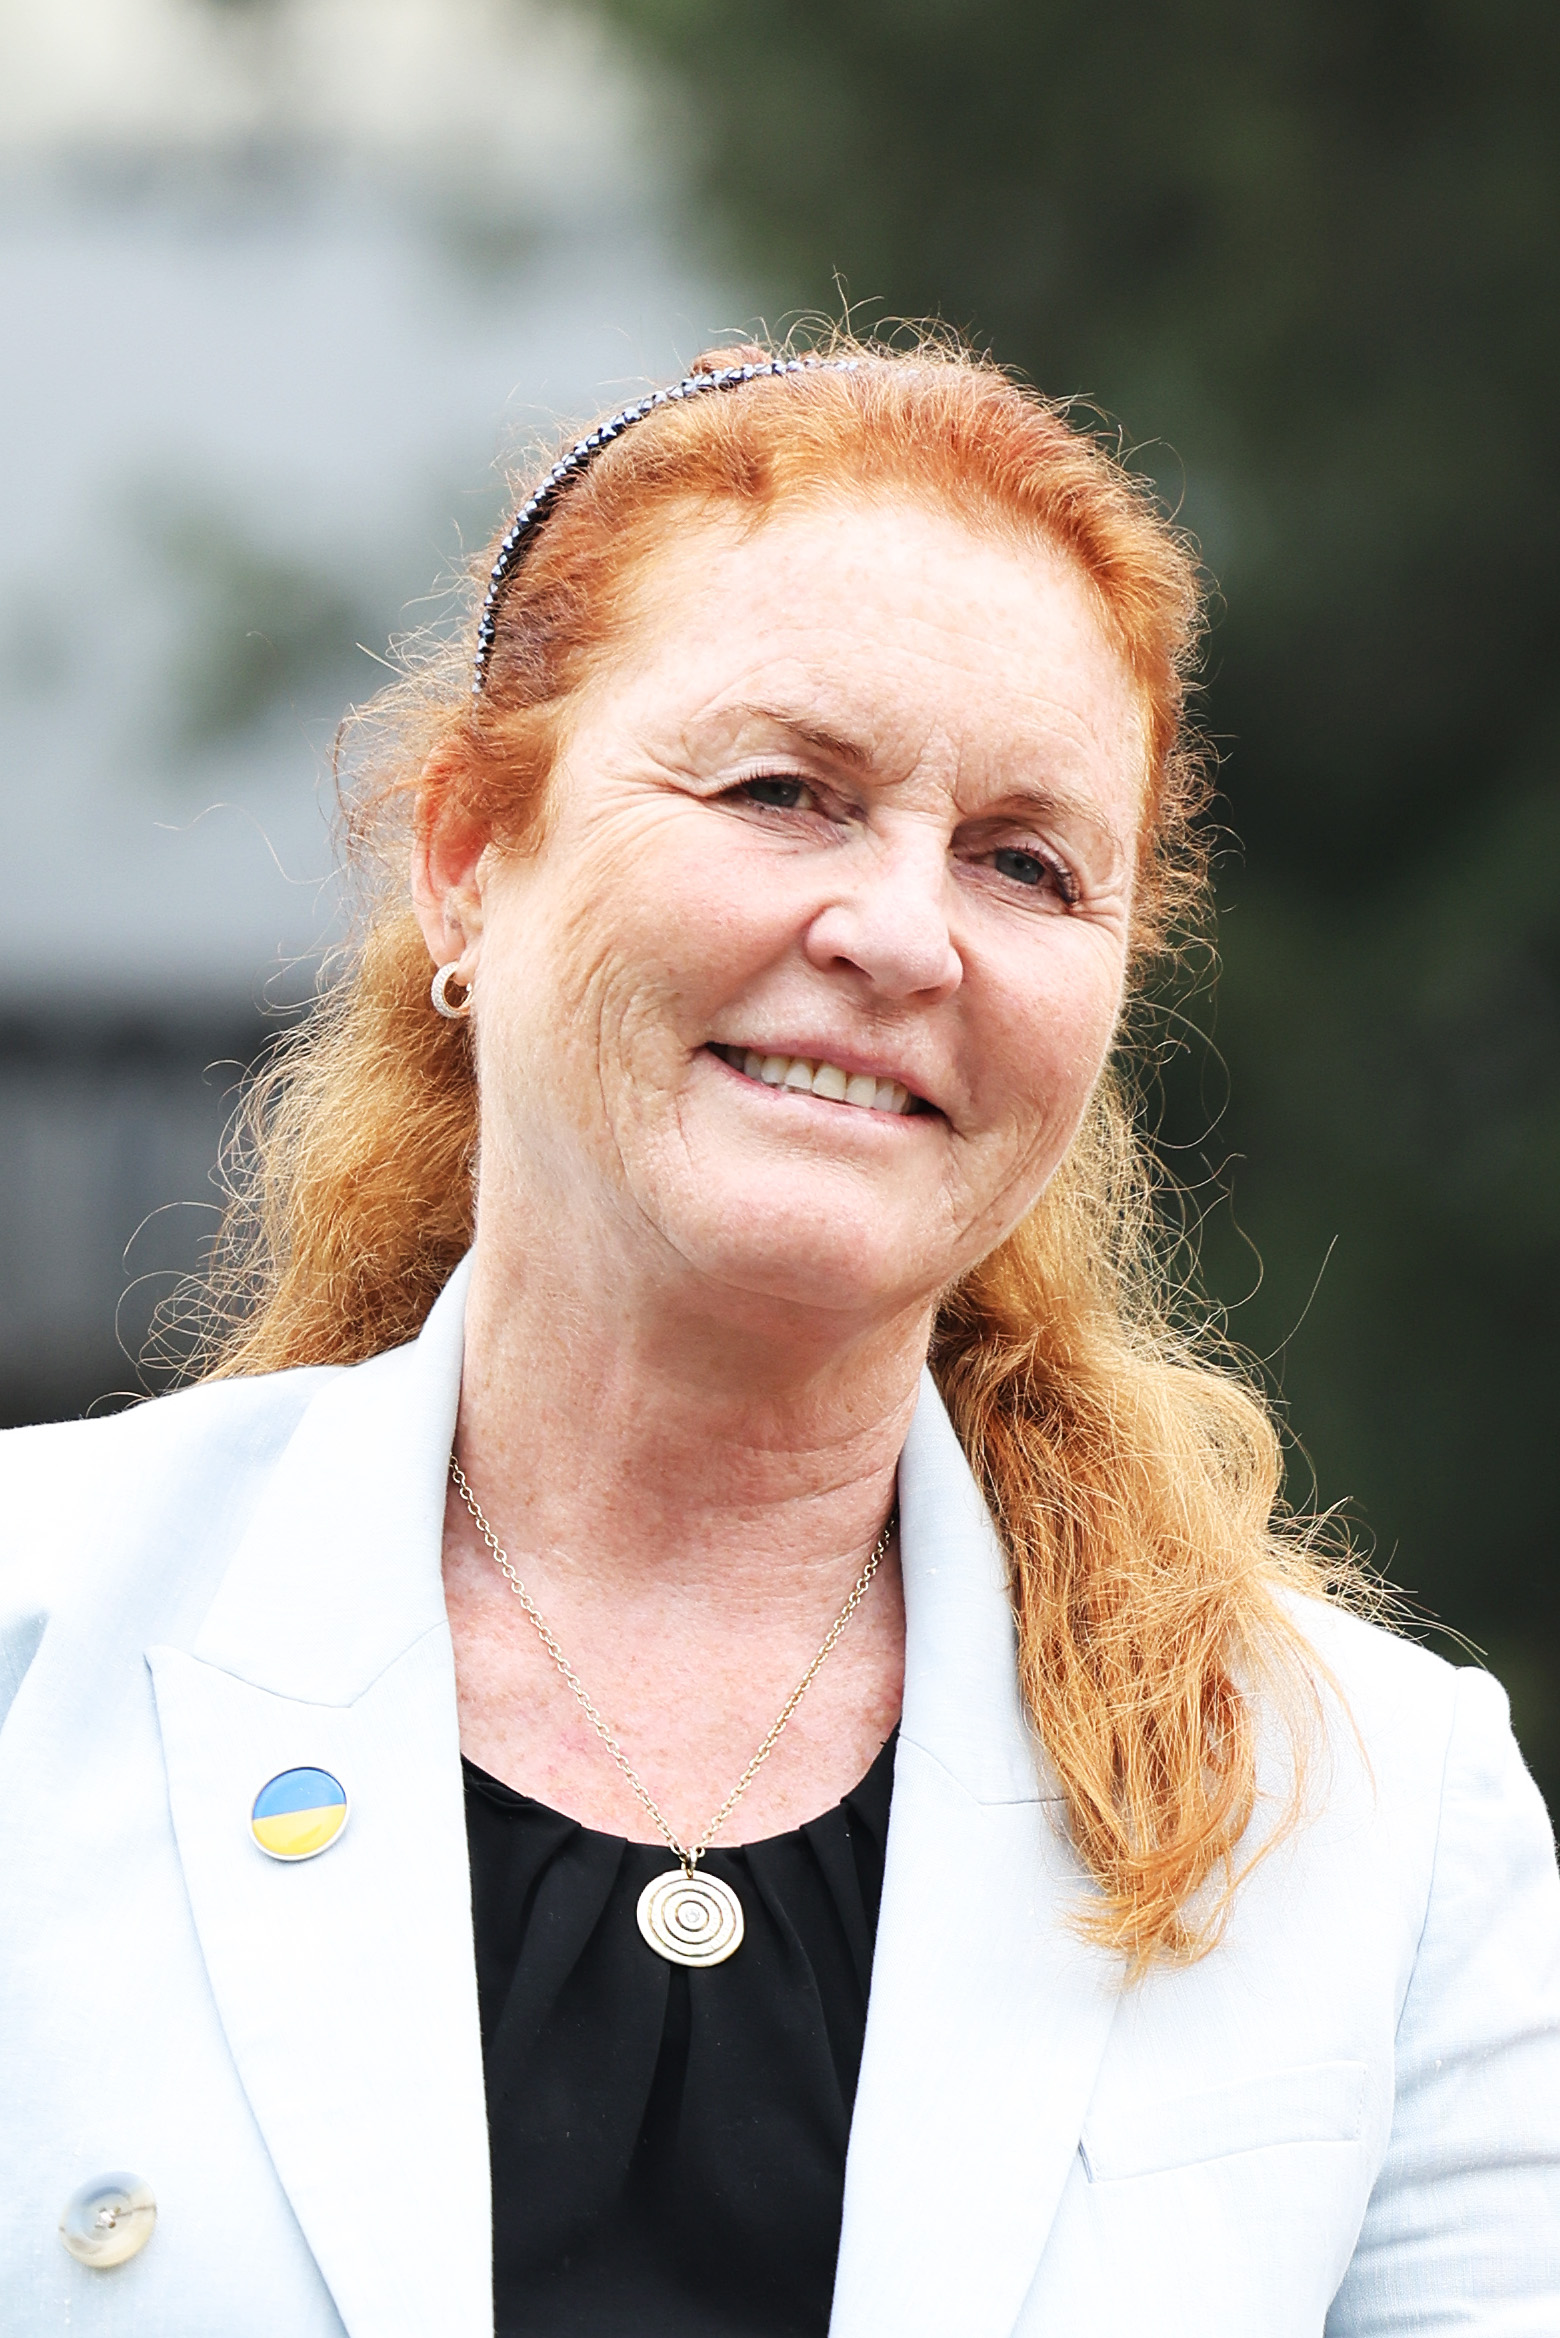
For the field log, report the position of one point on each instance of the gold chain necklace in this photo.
(688, 1918)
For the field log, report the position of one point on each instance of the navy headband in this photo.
(525, 522)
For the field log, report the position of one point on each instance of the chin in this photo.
(859, 1262)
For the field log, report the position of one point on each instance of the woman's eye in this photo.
(776, 795)
(1035, 872)
(1032, 869)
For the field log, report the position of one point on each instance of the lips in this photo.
(814, 1076)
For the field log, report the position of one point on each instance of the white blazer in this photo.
(1346, 2119)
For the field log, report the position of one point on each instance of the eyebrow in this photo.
(850, 752)
(1040, 800)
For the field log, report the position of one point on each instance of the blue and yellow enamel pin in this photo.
(298, 1814)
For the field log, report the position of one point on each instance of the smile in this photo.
(805, 1077)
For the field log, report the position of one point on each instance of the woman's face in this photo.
(805, 989)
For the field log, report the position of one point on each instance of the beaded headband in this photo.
(523, 526)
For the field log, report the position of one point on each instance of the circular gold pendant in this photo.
(691, 1919)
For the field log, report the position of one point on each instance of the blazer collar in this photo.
(339, 1569)
(988, 2016)
(962, 1703)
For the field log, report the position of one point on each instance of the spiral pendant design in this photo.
(691, 1919)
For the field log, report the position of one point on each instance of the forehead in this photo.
(879, 623)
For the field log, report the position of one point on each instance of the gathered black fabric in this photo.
(669, 2145)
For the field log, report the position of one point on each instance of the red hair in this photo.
(1131, 1467)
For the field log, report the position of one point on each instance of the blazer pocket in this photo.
(1322, 2103)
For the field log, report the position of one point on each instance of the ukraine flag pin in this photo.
(298, 1813)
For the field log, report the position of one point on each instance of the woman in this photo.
(782, 869)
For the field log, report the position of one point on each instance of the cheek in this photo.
(668, 940)
(1055, 1036)
(610, 966)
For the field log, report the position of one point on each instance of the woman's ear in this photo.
(446, 871)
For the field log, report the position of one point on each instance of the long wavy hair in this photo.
(1132, 1466)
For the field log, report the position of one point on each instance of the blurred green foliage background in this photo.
(1306, 255)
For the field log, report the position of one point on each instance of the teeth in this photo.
(819, 1079)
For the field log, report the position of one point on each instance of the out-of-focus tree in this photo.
(1307, 254)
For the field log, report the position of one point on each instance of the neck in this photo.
(676, 1438)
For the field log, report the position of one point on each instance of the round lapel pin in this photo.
(298, 1814)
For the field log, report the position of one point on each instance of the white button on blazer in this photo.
(1344, 2120)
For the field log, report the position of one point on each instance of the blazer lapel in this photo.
(988, 2016)
(346, 1984)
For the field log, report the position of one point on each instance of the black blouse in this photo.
(669, 2145)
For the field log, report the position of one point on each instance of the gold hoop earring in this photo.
(441, 998)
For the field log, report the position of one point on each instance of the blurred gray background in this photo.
(278, 284)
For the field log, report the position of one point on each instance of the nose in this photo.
(887, 919)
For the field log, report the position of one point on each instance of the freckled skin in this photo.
(862, 786)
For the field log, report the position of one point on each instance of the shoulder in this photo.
(1422, 1764)
(128, 1510)
(1389, 1694)
(220, 1424)
(1421, 1728)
